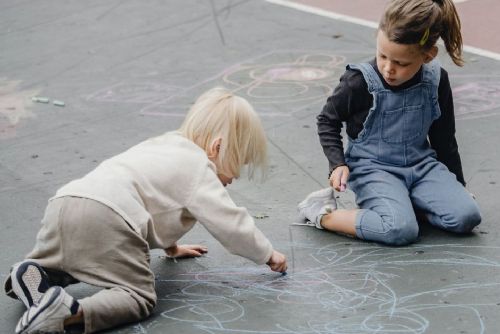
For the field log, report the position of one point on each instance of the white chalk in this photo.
(40, 99)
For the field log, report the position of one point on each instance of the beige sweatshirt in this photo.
(162, 186)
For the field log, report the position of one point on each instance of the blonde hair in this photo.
(422, 22)
(218, 113)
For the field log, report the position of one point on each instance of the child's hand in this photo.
(183, 251)
(338, 179)
(277, 262)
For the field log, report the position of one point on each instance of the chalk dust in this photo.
(14, 106)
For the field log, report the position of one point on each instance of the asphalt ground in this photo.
(128, 70)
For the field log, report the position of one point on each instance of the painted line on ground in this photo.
(366, 23)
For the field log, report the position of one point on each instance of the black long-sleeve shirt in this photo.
(351, 102)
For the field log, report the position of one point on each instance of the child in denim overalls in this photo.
(402, 153)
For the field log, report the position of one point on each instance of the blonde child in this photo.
(99, 229)
(402, 153)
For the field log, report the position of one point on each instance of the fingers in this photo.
(277, 262)
(202, 249)
(183, 251)
(193, 253)
(279, 267)
(343, 180)
(338, 179)
(275, 267)
(282, 267)
(334, 183)
(199, 248)
(335, 179)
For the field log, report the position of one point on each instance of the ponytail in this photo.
(450, 32)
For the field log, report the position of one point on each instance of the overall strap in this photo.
(371, 77)
(431, 72)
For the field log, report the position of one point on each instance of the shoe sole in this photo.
(53, 300)
(29, 283)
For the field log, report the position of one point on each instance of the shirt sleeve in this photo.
(442, 132)
(211, 205)
(329, 123)
(349, 103)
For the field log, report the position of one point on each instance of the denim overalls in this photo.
(394, 169)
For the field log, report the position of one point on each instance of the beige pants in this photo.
(92, 243)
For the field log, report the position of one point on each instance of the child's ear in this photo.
(214, 148)
(430, 54)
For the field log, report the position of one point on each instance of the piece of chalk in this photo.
(58, 103)
(40, 99)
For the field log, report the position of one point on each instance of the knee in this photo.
(463, 219)
(149, 306)
(401, 231)
(142, 303)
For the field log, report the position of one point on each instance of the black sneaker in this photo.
(29, 282)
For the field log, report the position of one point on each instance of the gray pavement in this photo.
(128, 70)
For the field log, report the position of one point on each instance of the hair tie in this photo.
(425, 37)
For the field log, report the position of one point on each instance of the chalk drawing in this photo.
(278, 83)
(477, 97)
(344, 288)
(141, 93)
(281, 83)
(14, 104)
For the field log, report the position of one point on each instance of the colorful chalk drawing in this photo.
(277, 84)
(346, 288)
(14, 105)
(282, 83)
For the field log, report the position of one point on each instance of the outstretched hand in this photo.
(185, 251)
